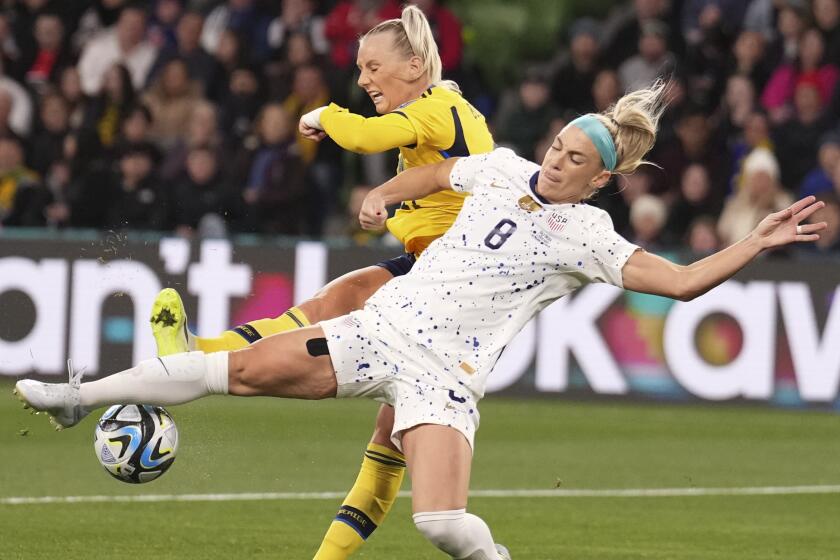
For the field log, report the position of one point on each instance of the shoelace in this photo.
(74, 377)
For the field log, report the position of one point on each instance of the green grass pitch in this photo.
(231, 445)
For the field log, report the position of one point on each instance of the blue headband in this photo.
(600, 136)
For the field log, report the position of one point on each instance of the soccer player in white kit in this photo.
(426, 341)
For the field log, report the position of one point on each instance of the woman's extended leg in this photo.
(439, 460)
(293, 365)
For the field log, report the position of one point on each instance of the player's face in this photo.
(389, 79)
(571, 169)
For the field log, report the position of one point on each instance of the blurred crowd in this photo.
(751, 125)
(181, 115)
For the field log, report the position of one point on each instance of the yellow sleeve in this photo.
(371, 135)
(432, 120)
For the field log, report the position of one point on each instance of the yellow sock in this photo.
(367, 504)
(249, 333)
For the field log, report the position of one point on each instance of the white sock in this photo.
(174, 379)
(461, 535)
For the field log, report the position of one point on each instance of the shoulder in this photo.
(598, 218)
(505, 162)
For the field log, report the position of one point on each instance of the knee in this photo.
(444, 529)
(244, 376)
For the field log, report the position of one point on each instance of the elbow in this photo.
(684, 289)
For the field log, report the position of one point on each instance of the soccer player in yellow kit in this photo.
(429, 121)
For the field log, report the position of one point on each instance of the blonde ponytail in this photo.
(633, 122)
(413, 37)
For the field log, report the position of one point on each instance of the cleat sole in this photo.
(168, 323)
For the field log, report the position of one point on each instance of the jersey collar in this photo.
(532, 182)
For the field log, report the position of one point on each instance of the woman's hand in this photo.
(373, 214)
(782, 228)
(310, 125)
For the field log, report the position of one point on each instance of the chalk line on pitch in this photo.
(509, 493)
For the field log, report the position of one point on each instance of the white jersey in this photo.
(508, 255)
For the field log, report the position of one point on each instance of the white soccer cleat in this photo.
(61, 401)
(169, 324)
(504, 553)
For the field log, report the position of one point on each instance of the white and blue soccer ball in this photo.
(136, 443)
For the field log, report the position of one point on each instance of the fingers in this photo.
(797, 206)
(810, 228)
(808, 210)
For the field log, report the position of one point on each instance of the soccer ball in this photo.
(136, 443)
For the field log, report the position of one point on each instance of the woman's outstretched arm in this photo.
(651, 274)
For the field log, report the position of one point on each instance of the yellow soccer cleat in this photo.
(169, 324)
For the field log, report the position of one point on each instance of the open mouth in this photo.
(375, 96)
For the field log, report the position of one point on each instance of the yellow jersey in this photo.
(438, 125)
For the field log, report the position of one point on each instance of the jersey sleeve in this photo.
(465, 173)
(609, 252)
(431, 120)
(372, 135)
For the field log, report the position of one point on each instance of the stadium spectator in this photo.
(323, 174)
(606, 89)
(648, 215)
(123, 44)
(21, 203)
(759, 194)
(170, 100)
(446, 28)
(17, 106)
(58, 181)
(818, 180)
(243, 18)
(709, 27)
(105, 112)
(297, 17)
(200, 65)
(798, 138)
(618, 196)
(202, 131)
(348, 20)
(696, 143)
(47, 144)
(653, 61)
(163, 22)
(527, 120)
(693, 201)
(791, 22)
(574, 82)
(135, 128)
(827, 20)
(228, 56)
(133, 198)
(239, 104)
(756, 134)
(829, 241)
(748, 58)
(810, 66)
(49, 56)
(702, 237)
(95, 19)
(625, 30)
(275, 190)
(704, 20)
(280, 74)
(738, 104)
(70, 87)
(308, 92)
(201, 193)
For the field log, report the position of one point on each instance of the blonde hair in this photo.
(632, 121)
(413, 37)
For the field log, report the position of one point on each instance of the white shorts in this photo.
(381, 364)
